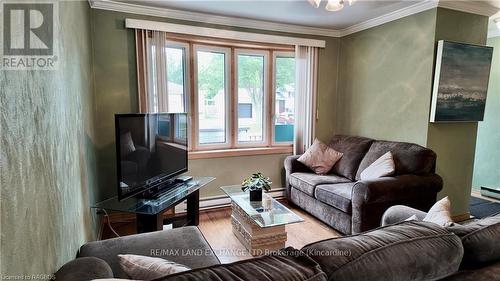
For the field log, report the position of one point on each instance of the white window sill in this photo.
(235, 152)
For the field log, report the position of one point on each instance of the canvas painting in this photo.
(460, 82)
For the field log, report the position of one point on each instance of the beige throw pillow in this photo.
(383, 166)
(412, 218)
(320, 157)
(147, 268)
(440, 213)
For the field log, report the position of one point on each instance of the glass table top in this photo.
(265, 213)
(154, 206)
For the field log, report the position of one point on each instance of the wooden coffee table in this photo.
(261, 225)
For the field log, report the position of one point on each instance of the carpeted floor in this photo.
(481, 208)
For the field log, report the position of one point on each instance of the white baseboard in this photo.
(222, 201)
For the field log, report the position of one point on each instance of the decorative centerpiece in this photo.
(255, 184)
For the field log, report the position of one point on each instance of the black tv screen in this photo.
(150, 148)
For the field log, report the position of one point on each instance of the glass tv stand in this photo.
(149, 212)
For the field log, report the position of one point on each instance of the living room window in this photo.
(239, 96)
(211, 93)
(251, 72)
(284, 97)
(176, 76)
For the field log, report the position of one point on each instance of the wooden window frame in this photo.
(196, 145)
(286, 54)
(186, 68)
(231, 48)
(265, 116)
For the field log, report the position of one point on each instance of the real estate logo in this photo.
(28, 39)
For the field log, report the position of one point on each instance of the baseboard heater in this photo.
(224, 201)
(493, 192)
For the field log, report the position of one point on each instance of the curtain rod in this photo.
(222, 33)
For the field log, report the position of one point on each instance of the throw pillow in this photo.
(320, 157)
(440, 213)
(412, 218)
(147, 268)
(383, 166)
(126, 144)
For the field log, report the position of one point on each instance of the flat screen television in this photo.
(151, 149)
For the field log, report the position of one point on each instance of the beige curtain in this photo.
(306, 65)
(151, 70)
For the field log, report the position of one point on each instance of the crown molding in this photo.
(111, 5)
(392, 16)
(475, 7)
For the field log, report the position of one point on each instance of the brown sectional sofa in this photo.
(343, 201)
(400, 251)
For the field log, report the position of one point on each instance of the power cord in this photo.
(109, 223)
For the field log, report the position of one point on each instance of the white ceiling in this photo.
(297, 16)
(296, 12)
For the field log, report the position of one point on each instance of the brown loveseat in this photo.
(349, 205)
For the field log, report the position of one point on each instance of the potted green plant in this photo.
(255, 184)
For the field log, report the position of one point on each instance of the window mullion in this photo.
(233, 99)
(192, 100)
(270, 98)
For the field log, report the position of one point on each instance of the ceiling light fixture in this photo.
(332, 5)
(315, 3)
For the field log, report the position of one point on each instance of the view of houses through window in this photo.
(175, 79)
(261, 110)
(212, 97)
(251, 75)
(284, 99)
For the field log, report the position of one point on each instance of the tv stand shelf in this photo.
(149, 212)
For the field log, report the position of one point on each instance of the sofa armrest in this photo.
(397, 188)
(83, 269)
(172, 244)
(370, 199)
(292, 166)
(400, 213)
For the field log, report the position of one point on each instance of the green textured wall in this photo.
(116, 92)
(455, 143)
(385, 85)
(48, 164)
(385, 80)
(487, 160)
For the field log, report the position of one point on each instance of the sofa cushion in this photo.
(409, 158)
(487, 273)
(167, 244)
(467, 227)
(307, 182)
(353, 149)
(482, 246)
(336, 195)
(287, 264)
(341, 221)
(387, 253)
